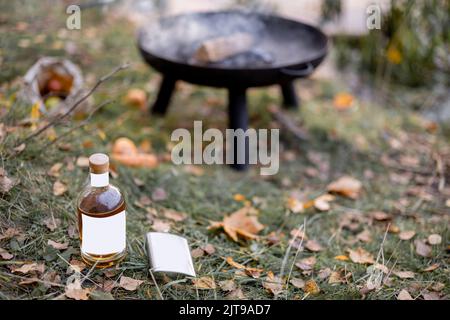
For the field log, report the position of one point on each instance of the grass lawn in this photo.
(402, 161)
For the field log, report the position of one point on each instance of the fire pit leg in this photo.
(238, 119)
(164, 95)
(290, 100)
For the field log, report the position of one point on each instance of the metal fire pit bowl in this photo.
(284, 50)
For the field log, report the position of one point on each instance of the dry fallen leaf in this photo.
(52, 279)
(209, 249)
(125, 151)
(108, 285)
(54, 170)
(393, 228)
(161, 225)
(404, 295)
(72, 232)
(5, 254)
(253, 272)
(404, 274)
(19, 148)
(124, 146)
(136, 98)
(57, 245)
(438, 286)
(9, 233)
(6, 183)
(335, 277)
(341, 257)
(239, 197)
(159, 194)
(237, 294)
(29, 268)
(140, 160)
(28, 281)
(422, 249)
(380, 216)
(75, 291)
(174, 215)
(324, 273)
(346, 186)
(129, 284)
(361, 256)
(297, 282)
(343, 101)
(51, 223)
(227, 285)
(364, 236)
(431, 296)
(406, 235)
(273, 284)
(59, 188)
(295, 205)
(311, 287)
(204, 283)
(432, 267)
(240, 223)
(322, 203)
(76, 266)
(434, 239)
(313, 245)
(197, 253)
(306, 264)
(83, 162)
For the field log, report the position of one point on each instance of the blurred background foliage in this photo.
(412, 47)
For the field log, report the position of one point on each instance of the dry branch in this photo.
(288, 124)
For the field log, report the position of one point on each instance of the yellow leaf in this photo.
(238, 197)
(51, 134)
(341, 258)
(102, 134)
(343, 101)
(35, 115)
(394, 55)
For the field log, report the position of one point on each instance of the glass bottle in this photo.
(101, 217)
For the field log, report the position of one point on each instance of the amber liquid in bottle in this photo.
(101, 217)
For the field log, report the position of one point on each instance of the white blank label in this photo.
(103, 235)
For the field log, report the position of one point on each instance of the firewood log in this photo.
(218, 49)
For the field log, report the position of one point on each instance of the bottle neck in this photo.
(99, 179)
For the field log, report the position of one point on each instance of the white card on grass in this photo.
(169, 253)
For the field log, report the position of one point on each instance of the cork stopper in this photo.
(99, 163)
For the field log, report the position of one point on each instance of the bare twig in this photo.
(156, 284)
(288, 124)
(296, 252)
(75, 105)
(81, 124)
(440, 170)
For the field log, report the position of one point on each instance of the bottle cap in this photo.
(99, 163)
